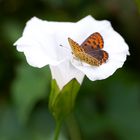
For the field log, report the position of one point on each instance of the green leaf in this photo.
(30, 86)
(62, 102)
(138, 4)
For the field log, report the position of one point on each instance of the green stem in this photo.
(57, 129)
(73, 128)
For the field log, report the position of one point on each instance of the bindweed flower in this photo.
(101, 53)
(41, 42)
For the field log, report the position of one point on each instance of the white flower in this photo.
(41, 42)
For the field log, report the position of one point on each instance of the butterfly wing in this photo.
(75, 47)
(94, 41)
(100, 55)
(93, 45)
(90, 50)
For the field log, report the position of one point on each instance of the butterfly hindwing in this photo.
(100, 55)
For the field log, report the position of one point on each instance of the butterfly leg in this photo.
(77, 60)
(81, 62)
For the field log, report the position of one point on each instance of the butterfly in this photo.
(90, 51)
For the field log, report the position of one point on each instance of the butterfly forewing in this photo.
(94, 41)
(75, 47)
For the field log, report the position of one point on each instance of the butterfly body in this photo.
(90, 50)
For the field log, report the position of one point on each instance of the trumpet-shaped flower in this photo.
(41, 42)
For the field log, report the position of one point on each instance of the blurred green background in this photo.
(105, 110)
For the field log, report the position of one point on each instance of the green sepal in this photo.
(61, 102)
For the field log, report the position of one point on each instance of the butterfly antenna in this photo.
(64, 47)
(61, 45)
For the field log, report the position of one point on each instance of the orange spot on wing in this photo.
(105, 56)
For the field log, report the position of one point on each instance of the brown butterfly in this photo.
(90, 51)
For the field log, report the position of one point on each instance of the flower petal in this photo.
(87, 26)
(35, 54)
(65, 72)
(41, 42)
(114, 44)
